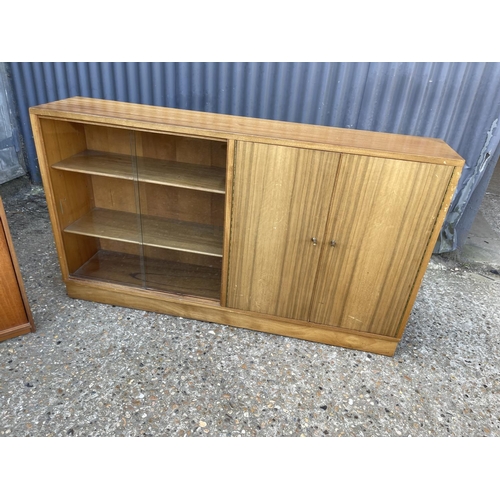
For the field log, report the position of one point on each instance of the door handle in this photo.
(314, 241)
(333, 243)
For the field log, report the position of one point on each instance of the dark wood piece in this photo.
(15, 314)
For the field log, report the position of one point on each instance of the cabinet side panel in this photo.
(12, 312)
(281, 201)
(69, 195)
(17, 270)
(457, 172)
(73, 199)
(382, 216)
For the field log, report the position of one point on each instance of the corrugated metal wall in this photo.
(457, 102)
(11, 157)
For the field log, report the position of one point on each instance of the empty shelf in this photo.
(151, 231)
(165, 172)
(156, 274)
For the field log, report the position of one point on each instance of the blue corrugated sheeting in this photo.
(457, 102)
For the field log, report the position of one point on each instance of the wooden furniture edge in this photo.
(452, 184)
(230, 130)
(49, 194)
(212, 313)
(231, 149)
(17, 271)
(16, 331)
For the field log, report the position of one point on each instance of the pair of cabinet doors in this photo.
(334, 239)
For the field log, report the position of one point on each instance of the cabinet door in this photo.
(280, 203)
(382, 215)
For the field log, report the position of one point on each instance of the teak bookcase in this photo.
(15, 312)
(313, 232)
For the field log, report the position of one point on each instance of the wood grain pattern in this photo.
(69, 195)
(169, 173)
(205, 310)
(430, 248)
(173, 277)
(12, 312)
(16, 331)
(108, 139)
(382, 216)
(281, 201)
(161, 253)
(15, 313)
(182, 149)
(182, 204)
(114, 194)
(214, 125)
(151, 231)
(161, 201)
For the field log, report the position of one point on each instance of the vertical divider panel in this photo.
(231, 151)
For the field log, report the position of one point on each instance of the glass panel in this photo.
(181, 193)
(102, 226)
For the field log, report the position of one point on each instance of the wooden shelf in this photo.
(172, 277)
(168, 173)
(151, 231)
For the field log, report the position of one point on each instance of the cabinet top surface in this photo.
(219, 126)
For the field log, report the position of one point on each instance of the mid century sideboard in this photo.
(307, 231)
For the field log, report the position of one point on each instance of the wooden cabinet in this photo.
(313, 232)
(15, 313)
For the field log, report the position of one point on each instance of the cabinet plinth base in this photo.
(16, 331)
(204, 310)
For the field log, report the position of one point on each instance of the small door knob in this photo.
(314, 240)
(333, 243)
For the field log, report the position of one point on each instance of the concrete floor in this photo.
(98, 370)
